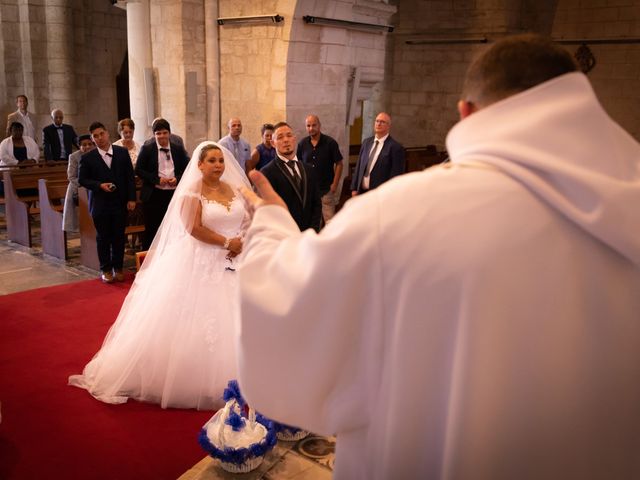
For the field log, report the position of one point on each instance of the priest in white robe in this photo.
(479, 320)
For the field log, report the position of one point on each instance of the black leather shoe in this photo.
(107, 277)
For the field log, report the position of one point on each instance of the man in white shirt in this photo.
(238, 146)
(22, 116)
(474, 320)
(160, 165)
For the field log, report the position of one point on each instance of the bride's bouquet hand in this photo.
(235, 245)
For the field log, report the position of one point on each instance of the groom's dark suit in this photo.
(108, 209)
(390, 163)
(51, 141)
(155, 201)
(304, 206)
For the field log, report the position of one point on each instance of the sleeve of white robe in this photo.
(310, 335)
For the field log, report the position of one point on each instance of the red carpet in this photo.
(51, 430)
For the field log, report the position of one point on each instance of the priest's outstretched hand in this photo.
(266, 195)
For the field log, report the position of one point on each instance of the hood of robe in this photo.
(559, 143)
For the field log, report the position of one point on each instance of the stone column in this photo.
(142, 101)
(212, 69)
(61, 78)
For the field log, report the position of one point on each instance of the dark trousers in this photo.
(110, 238)
(154, 210)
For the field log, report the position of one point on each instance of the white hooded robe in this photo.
(476, 320)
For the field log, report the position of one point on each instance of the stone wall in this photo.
(616, 75)
(423, 82)
(253, 66)
(287, 71)
(64, 54)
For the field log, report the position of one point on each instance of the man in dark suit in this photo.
(160, 165)
(380, 159)
(108, 175)
(58, 138)
(293, 180)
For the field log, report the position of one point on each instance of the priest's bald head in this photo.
(510, 66)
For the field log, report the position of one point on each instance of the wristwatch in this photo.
(227, 241)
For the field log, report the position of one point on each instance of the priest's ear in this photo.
(466, 108)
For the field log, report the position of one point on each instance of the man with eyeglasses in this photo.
(380, 159)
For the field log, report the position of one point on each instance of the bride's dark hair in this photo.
(206, 149)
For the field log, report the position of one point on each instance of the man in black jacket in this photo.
(107, 173)
(160, 165)
(59, 138)
(293, 180)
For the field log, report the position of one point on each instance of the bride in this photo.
(173, 341)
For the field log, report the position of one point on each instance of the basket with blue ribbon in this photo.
(236, 435)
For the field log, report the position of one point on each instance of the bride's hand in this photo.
(235, 245)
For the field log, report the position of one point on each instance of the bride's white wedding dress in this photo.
(173, 342)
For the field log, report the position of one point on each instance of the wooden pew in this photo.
(420, 158)
(88, 246)
(54, 239)
(20, 208)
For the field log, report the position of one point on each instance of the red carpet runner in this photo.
(51, 430)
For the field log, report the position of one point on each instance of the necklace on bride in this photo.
(213, 188)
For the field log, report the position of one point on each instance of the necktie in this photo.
(165, 150)
(296, 178)
(371, 156)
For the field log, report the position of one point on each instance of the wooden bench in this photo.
(420, 158)
(88, 246)
(53, 237)
(21, 208)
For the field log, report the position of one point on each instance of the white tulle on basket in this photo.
(238, 437)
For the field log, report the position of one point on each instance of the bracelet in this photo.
(227, 241)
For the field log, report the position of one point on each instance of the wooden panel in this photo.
(54, 239)
(20, 209)
(88, 246)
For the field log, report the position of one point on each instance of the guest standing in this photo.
(70, 211)
(126, 129)
(381, 158)
(236, 145)
(22, 116)
(264, 152)
(323, 154)
(59, 138)
(160, 166)
(107, 174)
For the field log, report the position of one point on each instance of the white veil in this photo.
(178, 221)
(180, 298)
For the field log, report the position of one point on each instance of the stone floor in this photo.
(23, 268)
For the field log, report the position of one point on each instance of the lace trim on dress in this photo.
(227, 206)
